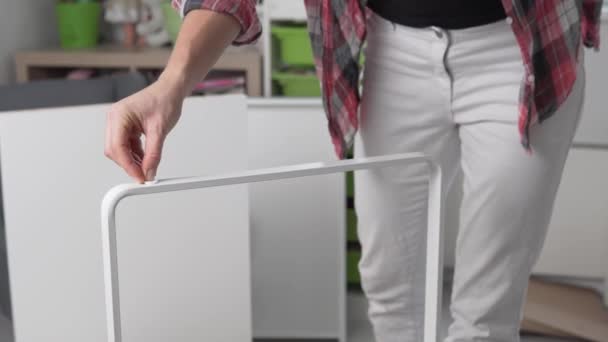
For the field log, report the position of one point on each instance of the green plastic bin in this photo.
(352, 267)
(292, 45)
(173, 21)
(78, 24)
(297, 85)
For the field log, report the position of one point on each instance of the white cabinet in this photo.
(285, 10)
(54, 176)
(593, 128)
(297, 226)
(184, 261)
(577, 242)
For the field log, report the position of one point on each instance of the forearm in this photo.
(203, 37)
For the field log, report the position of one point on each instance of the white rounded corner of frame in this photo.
(114, 196)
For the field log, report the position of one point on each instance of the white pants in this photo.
(454, 95)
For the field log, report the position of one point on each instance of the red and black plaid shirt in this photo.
(549, 33)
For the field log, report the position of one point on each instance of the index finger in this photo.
(121, 153)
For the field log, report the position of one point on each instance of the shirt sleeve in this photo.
(590, 21)
(244, 11)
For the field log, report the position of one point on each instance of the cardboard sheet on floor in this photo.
(565, 310)
(529, 326)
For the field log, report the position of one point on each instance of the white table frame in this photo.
(434, 253)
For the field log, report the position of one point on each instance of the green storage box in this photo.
(297, 85)
(173, 21)
(78, 24)
(352, 267)
(292, 45)
(351, 226)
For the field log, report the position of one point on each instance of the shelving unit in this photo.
(257, 66)
(44, 64)
(271, 11)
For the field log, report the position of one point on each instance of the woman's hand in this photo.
(152, 112)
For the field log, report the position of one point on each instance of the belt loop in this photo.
(438, 31)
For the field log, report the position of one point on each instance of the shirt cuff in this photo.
(590, 22)
(243, 11)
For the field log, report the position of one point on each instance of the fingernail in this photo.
(150, 175)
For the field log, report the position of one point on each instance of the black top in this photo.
(447, 14)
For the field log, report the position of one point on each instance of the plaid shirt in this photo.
(549, 33)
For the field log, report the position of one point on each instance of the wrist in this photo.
(175, 81)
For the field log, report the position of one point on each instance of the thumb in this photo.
(152, 155)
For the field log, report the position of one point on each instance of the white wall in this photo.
(24, 24)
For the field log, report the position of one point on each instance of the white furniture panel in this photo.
(593, 128)
(577, 242)
(298, 255)
(297, 225)
(285, 9)
(54, 176)
(184, 266)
